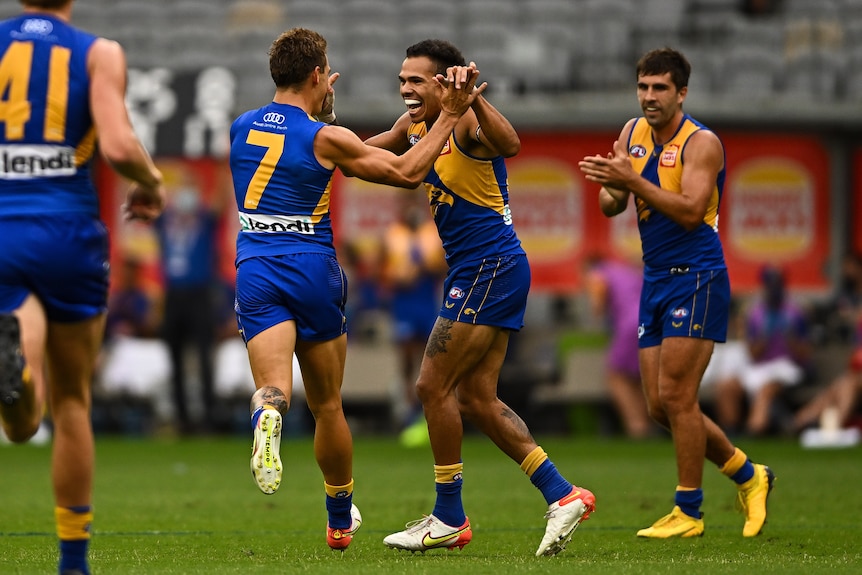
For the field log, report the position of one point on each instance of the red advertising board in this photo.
(775, 208)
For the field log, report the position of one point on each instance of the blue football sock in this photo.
(73, 556)
(549, 481)
(689, 500)
(449, 508)
(338, 509)
(745, 473)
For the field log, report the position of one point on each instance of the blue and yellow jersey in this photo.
(469, 200)
(282, 191)
(47, 138)
(666, 244)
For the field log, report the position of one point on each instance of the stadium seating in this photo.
(523, 47)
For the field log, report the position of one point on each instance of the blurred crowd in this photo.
(792, 365)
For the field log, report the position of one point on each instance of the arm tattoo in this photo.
(439, 336)
(269, 396)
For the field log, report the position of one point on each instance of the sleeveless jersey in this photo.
(469, 199)
(282, 191)
(665, 243)
(47, 138)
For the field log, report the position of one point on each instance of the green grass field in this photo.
(188, 507)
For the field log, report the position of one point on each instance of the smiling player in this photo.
(674, 167)
(485, 296)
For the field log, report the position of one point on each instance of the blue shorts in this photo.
(491, 292)
(62, 259)
(310, 289)
(691, 304)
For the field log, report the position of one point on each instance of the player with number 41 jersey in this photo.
(46, 131)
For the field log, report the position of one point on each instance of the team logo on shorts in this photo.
(641, 331)
(637, 151)
(456, 293)
(679, 313)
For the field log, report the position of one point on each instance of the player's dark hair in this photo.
(444, 54)
(294, 55)
(663, 61)
(45, 4)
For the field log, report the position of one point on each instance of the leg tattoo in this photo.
(269, 396)
(439, 336)
(516, 420)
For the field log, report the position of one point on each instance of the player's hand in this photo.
(444, 80)
(612, 171)
(459, 88)
(327, 111)
(143, 203)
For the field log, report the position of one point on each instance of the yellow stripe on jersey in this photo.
(471, 179)
(322, 207)
(86, 148)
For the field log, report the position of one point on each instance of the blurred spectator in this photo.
(780, 350)
(729, 359)
(841, 400)
(413, 265)
(134, 365)
(132, 311)
(846, 304)
(361, 264)
(843, 396)
(187, 238)
(614, 293)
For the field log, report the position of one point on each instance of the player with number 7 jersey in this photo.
(290, 288)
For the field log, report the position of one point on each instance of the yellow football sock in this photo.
(73, 525)
(338, 490)
(533, 460)
(448, 473)
(735, 463)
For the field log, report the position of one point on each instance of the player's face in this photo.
(659, 99)
(323, 86)
(421, 93)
